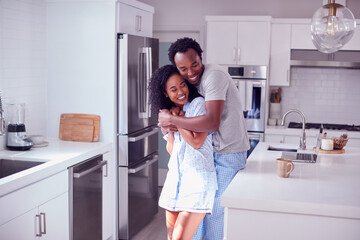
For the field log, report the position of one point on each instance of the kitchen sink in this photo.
(9, 167)
(281, 149)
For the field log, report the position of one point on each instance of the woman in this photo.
(190, 186)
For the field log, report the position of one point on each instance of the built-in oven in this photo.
(251, 82)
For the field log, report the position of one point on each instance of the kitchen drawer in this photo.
(20, 201)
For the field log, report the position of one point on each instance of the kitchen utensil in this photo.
(79, 127)
(37, 139)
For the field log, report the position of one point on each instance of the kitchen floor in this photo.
(156, 230)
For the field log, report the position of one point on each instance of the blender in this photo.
(16, 135)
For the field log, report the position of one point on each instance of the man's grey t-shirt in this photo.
(217, 84)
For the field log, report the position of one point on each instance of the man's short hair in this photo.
(183, 45)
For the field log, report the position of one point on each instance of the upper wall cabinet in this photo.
(287, 34)
(135, 20)
(280, 54)
(354, 43)
(301, 36)
(238, 40)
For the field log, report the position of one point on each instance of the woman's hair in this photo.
(157, 88)
(182, 45)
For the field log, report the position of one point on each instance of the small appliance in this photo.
(16, 134)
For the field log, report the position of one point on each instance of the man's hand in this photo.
(164, 118)
(164, 121)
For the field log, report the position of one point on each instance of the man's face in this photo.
(190, 65)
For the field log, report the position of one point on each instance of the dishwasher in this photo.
(85, 199)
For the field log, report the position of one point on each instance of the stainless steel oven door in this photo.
(254, 139)
(252, 94)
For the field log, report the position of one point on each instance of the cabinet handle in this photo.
(138, 23)
(234, 54)
(106, 169)
(239, 54)
(287, 75)
(37, 216)
(44, 221)
(90, 170)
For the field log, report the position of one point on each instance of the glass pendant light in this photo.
(332, 26)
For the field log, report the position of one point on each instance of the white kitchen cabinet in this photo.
(134, 20)
(301, 36)
(41, 204)
(280, 54)
(20, 227)
(354, 43)
(242, 41)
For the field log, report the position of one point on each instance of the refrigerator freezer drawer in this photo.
(136, 147)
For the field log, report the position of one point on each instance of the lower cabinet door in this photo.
(22, 227)
(50, 221)
(54, 216)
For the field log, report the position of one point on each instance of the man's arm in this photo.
(205, 123)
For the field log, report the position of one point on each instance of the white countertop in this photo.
(58, 156)
(329, 187)
(281, 130)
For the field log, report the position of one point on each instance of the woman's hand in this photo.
(175, 111)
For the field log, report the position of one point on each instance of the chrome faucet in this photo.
(303, 135)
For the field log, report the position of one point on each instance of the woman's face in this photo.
(177, 90)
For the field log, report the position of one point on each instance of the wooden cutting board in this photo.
(79, 127)
(335, 151)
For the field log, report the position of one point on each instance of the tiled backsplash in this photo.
(324, 95)
(23, 59)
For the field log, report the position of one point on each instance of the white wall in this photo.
(23, 59)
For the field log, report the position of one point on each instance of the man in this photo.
(223, 116)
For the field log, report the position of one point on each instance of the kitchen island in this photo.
(318, 201)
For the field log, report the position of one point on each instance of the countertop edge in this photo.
(49, 168)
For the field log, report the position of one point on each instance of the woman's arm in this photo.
(170, 142)
(194, 139)
(205, 123)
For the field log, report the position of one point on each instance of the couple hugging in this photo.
(206, 139)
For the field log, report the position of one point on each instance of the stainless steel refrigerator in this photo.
(137, 134)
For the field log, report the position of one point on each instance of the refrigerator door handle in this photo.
(149, 64)
(144, 75)
(140, 84)
(144, 135)
(147, 163)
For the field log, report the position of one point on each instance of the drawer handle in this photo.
(90, 170)
(38, 218)
(44, 221)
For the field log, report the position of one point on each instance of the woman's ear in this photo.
(166, 94)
